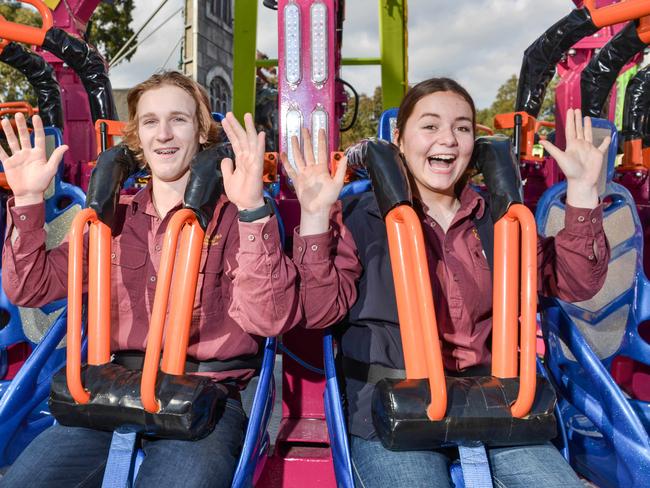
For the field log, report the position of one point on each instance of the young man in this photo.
(169, 123)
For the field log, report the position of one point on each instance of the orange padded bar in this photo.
(24, 33)
(633, 155)
(643, 31)
(270, 167)
(505, 306)
(504, 349)
(113, 128)
(529, 126)
(617, 12)
(182, 297)
(159, 312)
(418, 326)
(99, 289)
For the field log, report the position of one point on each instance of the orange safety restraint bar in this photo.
(418, 327)
(180, 310)
(505, 343)
(617, 12)
(12, 31)
(99, 298)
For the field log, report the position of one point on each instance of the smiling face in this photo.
(168, 131)
(437, 142)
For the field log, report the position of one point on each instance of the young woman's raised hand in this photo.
(243, 179)
(28, 171)
(315, 188)
(581, 161)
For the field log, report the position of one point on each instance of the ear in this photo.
(202, 139)
(396, 139)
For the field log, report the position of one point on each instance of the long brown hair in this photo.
(208, 128)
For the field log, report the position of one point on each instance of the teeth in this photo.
(166, 151)
(443, 157)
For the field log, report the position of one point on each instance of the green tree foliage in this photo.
(370, 109)
(506, 98)
(109, 27)
(13, 85)
(109, 30)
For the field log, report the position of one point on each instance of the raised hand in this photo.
(315, 188)
(28, 171)
(243, 179)
(581, 161)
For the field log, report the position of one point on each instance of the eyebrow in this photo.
(175, 112)
(458, 119)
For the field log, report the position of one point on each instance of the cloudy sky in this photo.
(478, 42)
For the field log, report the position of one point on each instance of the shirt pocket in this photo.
(209, 296)
(479, 260)
(129, 278)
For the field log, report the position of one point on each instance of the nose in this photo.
(164, 132)
(447, 136)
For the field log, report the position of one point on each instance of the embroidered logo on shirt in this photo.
(475, 232)
(212, 241)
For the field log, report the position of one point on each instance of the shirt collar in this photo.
(143, 202)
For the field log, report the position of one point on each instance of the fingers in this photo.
(227, 168)
(39, 133)
(341, 169)
(287, 166)
(3, 155)
(228, 127)
(56, 157)
(588, 131)
(308, 147)
(251, 132)
(605, 144)
(577, 113)
(261, 146)
(322, 147)
(12, 142)
(297, 156)
(552, 149)
(570, 129)
(23, 133)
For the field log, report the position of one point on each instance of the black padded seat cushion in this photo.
(478, 409)
(190, 404)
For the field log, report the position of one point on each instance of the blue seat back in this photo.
(23, 400)
(583, 340)
(387, 124)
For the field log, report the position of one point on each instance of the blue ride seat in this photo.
(607, 428)
(23, 399)
(125, 457)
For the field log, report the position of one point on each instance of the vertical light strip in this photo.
(292, 43)
(319, 58)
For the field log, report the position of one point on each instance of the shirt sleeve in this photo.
(328, 268)
(264, 289)
(31, 275)
(573, 264)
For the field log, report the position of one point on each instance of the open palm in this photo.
(316, 188)
(28, 171)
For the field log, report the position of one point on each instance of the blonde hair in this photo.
(208, 128)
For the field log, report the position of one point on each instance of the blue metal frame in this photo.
(607, 432)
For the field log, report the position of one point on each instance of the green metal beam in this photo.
(394, 70)
(245, 41)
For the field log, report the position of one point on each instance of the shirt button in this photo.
(581, 218)
(113, 255)
(251, 237)
(593, 221)
(314, 247)
(23, 217)
(274, 276)
(448, 249)
(157, 248)
(591, 257)
(300, 248)
(455, 278)
(266, 237)
(152, 279)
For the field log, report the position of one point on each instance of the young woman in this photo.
(341, 253)
(169, 123)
